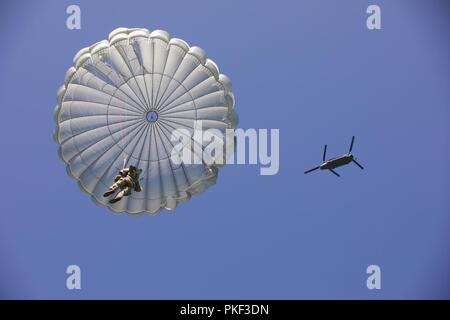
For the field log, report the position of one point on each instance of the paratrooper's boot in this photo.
(110, 191)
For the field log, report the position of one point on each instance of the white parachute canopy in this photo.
(120, 104)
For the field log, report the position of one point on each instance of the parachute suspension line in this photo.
(125, 156)
(123, 145)
(124, 161)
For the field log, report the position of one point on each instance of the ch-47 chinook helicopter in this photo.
(337, 161)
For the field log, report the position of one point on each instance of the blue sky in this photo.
(311, 69)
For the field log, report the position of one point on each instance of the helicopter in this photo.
(337, 161)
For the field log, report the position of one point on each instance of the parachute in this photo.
(119, 105)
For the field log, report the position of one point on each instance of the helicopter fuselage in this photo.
(336, 162)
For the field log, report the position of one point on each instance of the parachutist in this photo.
(126, 180)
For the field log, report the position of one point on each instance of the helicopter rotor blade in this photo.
(334, 172)
(358, 164)
(351, 144)
(324, 153)
(308, 171)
